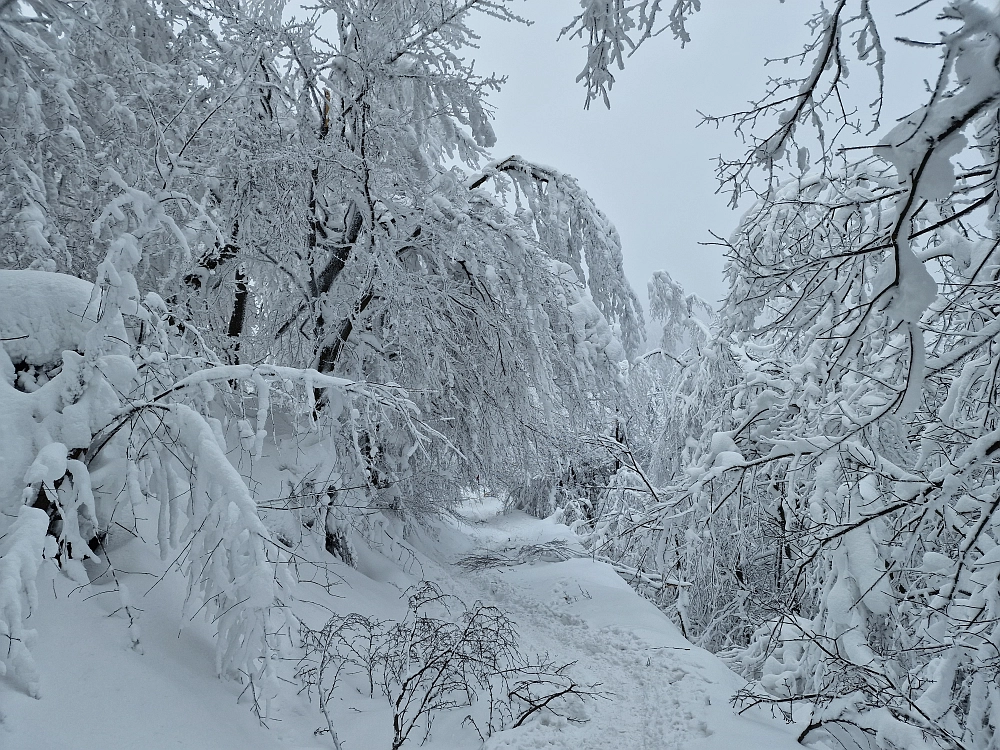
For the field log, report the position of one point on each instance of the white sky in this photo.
(646, 162)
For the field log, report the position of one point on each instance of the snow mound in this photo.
(43, 314)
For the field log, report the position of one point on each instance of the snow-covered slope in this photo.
(662, 692)
(98, 693)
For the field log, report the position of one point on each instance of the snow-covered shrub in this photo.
(86, 443)
(53, 400)
(442, 656)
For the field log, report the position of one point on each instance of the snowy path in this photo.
(662, 693)
(651, 700)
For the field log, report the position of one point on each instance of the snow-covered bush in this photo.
(92, 444)
(442, 656)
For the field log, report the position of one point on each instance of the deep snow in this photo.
(99, 693)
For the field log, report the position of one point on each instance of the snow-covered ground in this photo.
(99, 693)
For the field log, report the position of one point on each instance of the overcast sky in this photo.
(646, 162)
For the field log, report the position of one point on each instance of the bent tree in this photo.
(377, 258)
(298, 240)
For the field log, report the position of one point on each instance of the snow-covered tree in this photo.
(834, 525)
(388, 263)
(262, 239)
